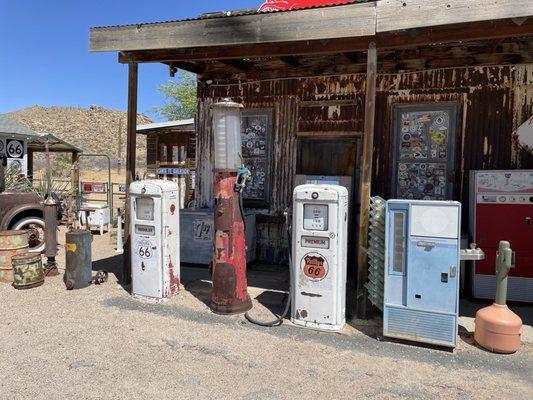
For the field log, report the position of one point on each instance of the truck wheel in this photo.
(35, 228)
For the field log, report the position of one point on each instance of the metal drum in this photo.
(11, 244)
(27, 271)
(78, 259)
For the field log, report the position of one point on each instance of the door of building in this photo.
(424, 151)
(335, 157)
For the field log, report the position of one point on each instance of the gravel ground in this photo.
(101, 343)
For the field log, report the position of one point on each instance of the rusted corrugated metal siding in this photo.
(493, 102)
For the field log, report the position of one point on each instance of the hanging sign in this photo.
(173, 171)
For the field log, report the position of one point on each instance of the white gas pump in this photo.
(155, 240)
(319, 256)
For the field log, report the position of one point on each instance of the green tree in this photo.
(180, 97)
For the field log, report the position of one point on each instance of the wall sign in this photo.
(2, 147)
(424, 151)
(256, 133)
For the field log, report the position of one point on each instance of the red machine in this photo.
(502, 209)
(279, 5)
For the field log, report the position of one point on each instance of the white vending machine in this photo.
(319, 256)
(155, 238)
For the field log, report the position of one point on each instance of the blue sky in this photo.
(45, 58)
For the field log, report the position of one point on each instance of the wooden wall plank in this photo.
(393, 15)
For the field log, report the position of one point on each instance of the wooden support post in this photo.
(131, 156)
(30, 165)
(74, 197)
(366, 180)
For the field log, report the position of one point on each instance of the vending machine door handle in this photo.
(528, 221)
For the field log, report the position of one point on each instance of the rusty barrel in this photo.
(11, 244)
(78, 259)
(27, 271)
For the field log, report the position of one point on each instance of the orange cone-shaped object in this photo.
(498, 329)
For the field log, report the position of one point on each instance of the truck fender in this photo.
(11, 216)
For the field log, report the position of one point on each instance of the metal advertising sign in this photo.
(2, 147)
(314, 266)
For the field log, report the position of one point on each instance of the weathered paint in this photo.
(78, 259)
(12, 243)
(230, 288)
(27, 271)
(493, 101)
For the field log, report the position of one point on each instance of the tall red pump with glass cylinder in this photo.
(230, 289)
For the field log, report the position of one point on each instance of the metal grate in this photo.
(420, 326)
(376, 252)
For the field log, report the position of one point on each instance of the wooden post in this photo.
(131, 156)
(30, 165)
(366, 179)
(74, 196)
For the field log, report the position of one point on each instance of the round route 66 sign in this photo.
(15, 148)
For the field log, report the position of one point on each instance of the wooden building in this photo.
(402, 97)
(171, 153)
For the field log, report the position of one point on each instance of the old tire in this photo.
(35, 228)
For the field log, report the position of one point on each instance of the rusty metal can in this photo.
(27, 271)
(78, 259)
(11, 244)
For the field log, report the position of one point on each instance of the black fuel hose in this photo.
(279, 318)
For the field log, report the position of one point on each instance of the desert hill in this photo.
(94, 130)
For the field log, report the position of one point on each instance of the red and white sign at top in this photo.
(279, 5)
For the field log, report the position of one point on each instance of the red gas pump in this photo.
(230, 290)
(279, 5)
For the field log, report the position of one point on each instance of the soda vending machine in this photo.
(501, 208)
(422, 248)
(155, 238)
(319, 253)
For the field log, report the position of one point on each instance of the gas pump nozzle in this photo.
(243, 176)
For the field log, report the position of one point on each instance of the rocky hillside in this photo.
(94, 130)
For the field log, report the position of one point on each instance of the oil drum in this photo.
(11, 244)
(27, 271)
(78, 259)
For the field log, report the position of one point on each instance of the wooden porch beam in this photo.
(131, 156)
(241, 66)
(500, 29)
(291, 60)
(366, 180)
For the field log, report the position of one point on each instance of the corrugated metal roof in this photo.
(233, 13)
(162, 125)
(9, 126)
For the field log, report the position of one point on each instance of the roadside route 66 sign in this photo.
(14, 148)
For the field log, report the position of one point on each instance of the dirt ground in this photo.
(99, 342)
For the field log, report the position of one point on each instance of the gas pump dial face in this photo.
(316, 217)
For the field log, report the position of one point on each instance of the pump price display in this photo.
(316, 217)
(144, 208)
(314, 266)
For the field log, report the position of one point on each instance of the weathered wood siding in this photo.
(493, 102)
